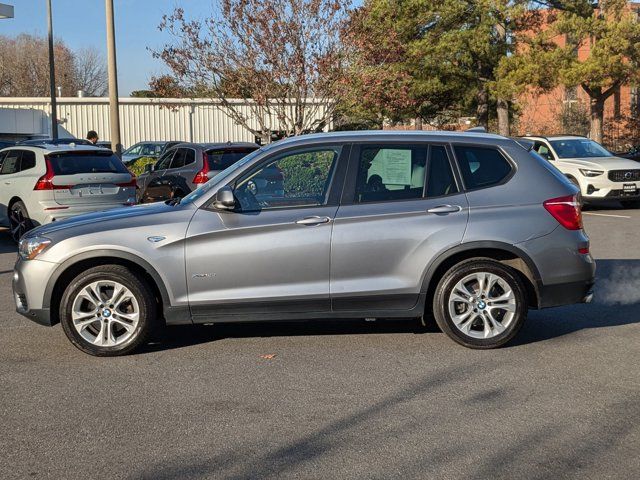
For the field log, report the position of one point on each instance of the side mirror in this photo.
(148, 168)
(225, 200)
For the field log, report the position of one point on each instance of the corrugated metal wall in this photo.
(145, 118)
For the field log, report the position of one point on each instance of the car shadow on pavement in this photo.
(184, 336)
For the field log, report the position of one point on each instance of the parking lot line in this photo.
(605, 215)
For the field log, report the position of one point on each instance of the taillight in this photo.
(203, 175)
(45, 182)
(566, 210)
(130, 183)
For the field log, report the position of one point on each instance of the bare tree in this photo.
(91, 72)
(283, 57)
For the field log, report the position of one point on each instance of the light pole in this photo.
(113, 80)
(52, 76)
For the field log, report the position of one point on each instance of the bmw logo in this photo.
(106, 313)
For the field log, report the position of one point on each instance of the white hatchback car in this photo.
(42, 184)
(597, 172)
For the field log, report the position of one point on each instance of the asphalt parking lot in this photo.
(337, 399)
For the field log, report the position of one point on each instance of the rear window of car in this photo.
(221, 159)
(72, 163)
(482, 167)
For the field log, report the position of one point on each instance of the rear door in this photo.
(402, 206)
(10, 167)
(89, 177)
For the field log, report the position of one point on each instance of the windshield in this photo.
(579, 148)
(221, 177)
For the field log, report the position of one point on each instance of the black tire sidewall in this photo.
(19, 205)
(139, 288)
(457, 273)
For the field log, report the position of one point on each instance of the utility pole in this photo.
(52, 76)
(112, 68)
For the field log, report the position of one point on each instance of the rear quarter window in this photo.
(72, 163)
(482, 167)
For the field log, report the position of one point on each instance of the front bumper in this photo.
(29, 285)
(597, 188)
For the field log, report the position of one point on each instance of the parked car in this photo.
(59, 141)
(104, 144)
(46, 183)
(593, 169)
(186, 166)
(142, 149)
(370, 224)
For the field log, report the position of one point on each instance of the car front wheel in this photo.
(107, 311)
(480, 303)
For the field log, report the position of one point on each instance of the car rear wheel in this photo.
(480, 303)
(108, 311)
(19, 221)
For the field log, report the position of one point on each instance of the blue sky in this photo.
(81, 23)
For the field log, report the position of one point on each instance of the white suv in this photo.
(596, 171)
(42, 184)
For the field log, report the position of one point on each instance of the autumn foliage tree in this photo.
(24, 68)
(599, 53)
(283, 57)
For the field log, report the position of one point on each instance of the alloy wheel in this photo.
(482, 305)
(105, 313)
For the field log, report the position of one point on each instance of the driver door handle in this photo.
(444, 209)
(311, 221)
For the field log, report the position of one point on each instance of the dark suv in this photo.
(468, 227)
(186, 166)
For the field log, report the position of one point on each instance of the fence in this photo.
(148, 118)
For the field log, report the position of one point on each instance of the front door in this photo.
(271, 255)
(401, 207)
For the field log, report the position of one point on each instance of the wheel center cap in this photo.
(481, 305)
(106, 313)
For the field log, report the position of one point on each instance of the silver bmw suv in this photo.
(469, 228)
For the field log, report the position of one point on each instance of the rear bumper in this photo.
(566, 294)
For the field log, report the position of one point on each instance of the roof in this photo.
(554, 137)
(385, 135)
(217, 145)
(48, 148)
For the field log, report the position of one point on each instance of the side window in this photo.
(11, 163)
(28, 160)
(190, 157)
(135, 150)
(481, 166)
(2, 156)
(387, 173)
(299, 179)
(440, 179)
(179, 158)
(543, 150)
(165, 160)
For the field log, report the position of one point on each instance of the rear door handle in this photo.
(311, 221)
(444, 209)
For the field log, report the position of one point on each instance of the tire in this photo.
(19, 221)
(480, 329)
(119, 327)
(630, 203)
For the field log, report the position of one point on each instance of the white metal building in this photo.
(140, 119)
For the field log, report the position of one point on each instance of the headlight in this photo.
(591, 173)
(30, 248)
